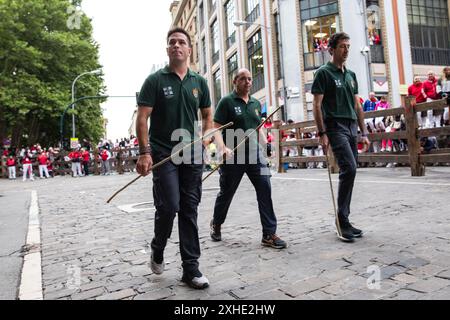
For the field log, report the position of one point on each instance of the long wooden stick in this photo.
(156, 166)
(242, 142)
(338, 225)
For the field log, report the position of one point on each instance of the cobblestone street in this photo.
(94, 250)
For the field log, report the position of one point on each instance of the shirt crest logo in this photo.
(168, 92)
(195, 93)
(338, 83)
(238, 110)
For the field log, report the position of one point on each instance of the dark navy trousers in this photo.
(342, 134)
(177, 189)
(259, 175)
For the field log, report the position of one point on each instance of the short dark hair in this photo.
(335, 38)
(179, 30)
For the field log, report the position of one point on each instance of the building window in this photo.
(215, 42)
(212, 6)
(231, 29)
(203, 44)
(201, 13)
(278, 45)
(251, 11)
(232, 65)
(320, 20)
(374, 31)
(217, 86)
(429, 31)
(255, 61)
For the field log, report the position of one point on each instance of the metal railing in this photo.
(252, 16)
(377, 53)
(431, 56)
(314, 60)
(215, 57)
(231, 40)
(258, 83)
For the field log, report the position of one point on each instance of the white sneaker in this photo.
(157, 268)
(196, 282)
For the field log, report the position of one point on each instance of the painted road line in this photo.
(31, 280)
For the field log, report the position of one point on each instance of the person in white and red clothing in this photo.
(430, 90)
(86, 156)
(75, 157)
(43, 170)
(11, 164)
(27, 168)
(105, 156)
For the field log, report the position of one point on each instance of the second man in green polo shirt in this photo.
(245, 112)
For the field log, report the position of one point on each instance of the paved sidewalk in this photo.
(94, 250)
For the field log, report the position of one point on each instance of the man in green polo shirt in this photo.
(338, 113)
(171, 97)
(245, 112)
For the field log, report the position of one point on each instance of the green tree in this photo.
(44, 45)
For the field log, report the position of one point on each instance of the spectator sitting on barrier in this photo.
(427, 144)
(380, 125)
(370, 105)
(444, 90)
(292, 151)
(430, 89)
(311, 151)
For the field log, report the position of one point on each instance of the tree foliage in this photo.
(40, 55)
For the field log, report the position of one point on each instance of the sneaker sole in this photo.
(215, 239)
(272, 246)
(345, 239)
(191, 285)
(156, 271)
(359, 235)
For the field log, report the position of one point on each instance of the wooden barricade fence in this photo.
(122, 160)
(413, 157)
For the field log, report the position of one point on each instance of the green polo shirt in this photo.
(245, 116)
(175, 104)
(338, 89)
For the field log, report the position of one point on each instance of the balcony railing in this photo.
(252, 16)
(431, 56)
(231, 40)
(258, 83)
(215, 57)
(377, 53)
(314, 60)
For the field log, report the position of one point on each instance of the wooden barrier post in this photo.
(4, 169)
(277, 147)
(96, 171)
(412, 127)
(119, 161)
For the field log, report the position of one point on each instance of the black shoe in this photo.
(198, 282)
(345, 233)
(357, 233)
(215, 233)
(273, 241)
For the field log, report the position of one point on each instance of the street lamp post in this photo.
(98, 71)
